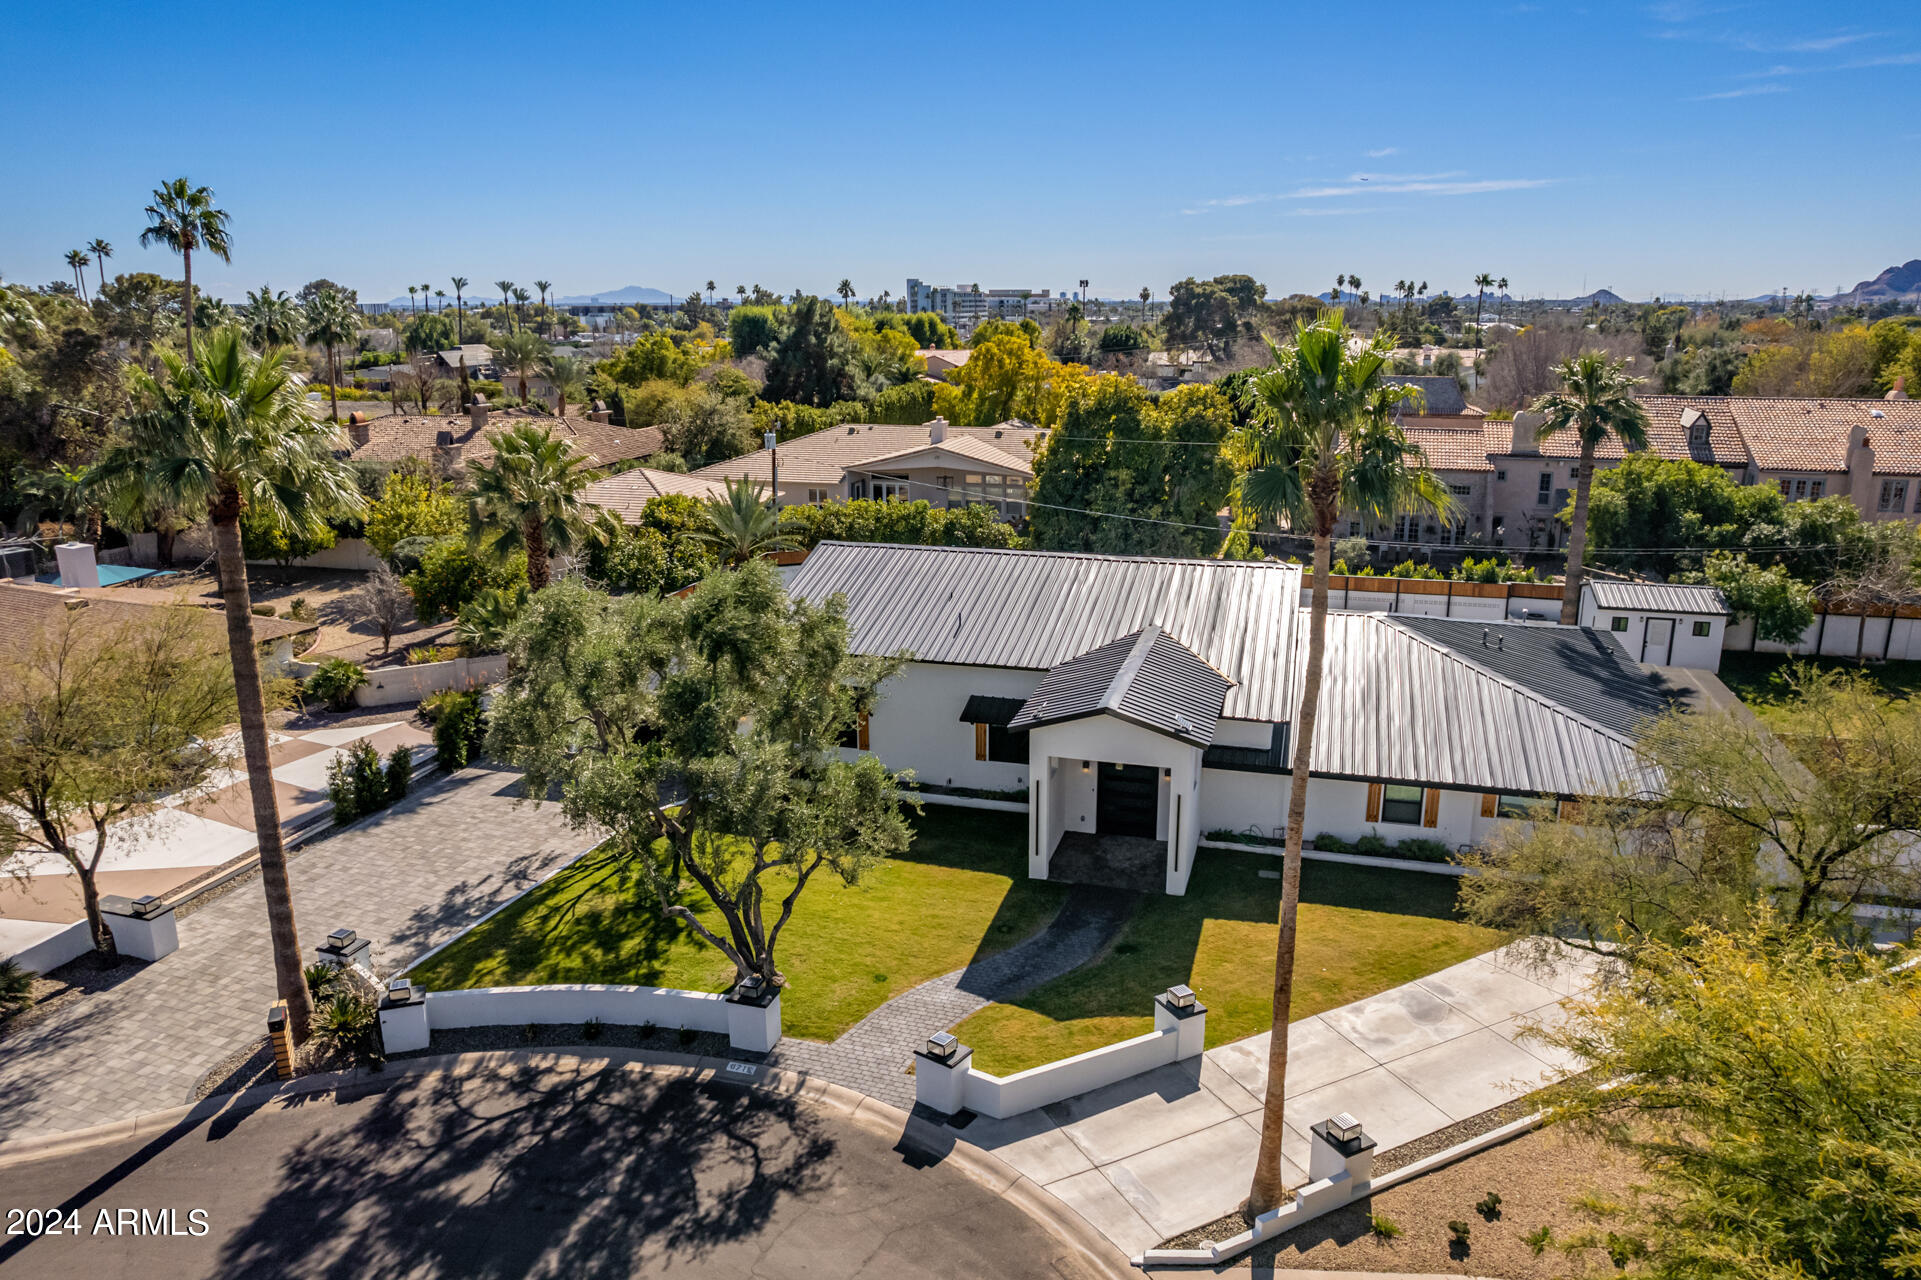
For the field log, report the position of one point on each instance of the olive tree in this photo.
(702, 735)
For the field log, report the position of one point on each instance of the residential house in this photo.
(627, 493)
(478, 356)
(28, 608)
(449, 443)
(1662, 624)
(1135, 704)
(942, 361)
(945, 465)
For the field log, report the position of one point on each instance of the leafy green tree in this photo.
(265, 538)
(753, 331)
(814, 361)
(183, 218)
(1596, 402)
(1647, 501)
(1007, 377)
(97, 718)
(743, 525)
(1120, 453)
(929, 330)
(1213, 314)
(911, 523)
(427, 334)
(412, 505)
(652, 357)
(227, 433)
(527, 499)
(1782, 608)
(1027, 329)
(1767, 1085)
(706, 427)
(486, 619)
(1322, 440)
(450, 575)
(701, 735)
(662, 553)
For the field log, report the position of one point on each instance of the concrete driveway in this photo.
(525, 1165)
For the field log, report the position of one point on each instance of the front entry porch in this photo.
(1127, 821)
(1137, 864)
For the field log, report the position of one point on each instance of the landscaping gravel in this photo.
(564, 1035)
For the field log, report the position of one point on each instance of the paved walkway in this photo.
(874, 1054)
(1171, 1149)
(407, 879)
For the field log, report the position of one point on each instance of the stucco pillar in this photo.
(1183, 819)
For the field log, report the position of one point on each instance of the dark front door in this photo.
(1125, 800)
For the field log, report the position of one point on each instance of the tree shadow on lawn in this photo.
(988, 841)
(569, 1170)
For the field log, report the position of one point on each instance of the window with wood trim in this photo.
(1006, 746)
(1401, 804)
(1515, 806)
(1490, 804)
(1431, 808)
(980, 742)
(854, 737)
(1373, 802)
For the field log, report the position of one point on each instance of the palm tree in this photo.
(1321, 439)
(228, 433)
(741, 289)
(543, 286)
(1596, 400)
(506, 288)
(1340, 282)
(425, 289)
(460, 308)
(442, 295)
(331, 323)
(1353, 285)
(183, 218)
(273, 319)
(527, 498)
(1482, 283)
(521, 299)
(743, 525)
(710, 293)
(567, 376)
(101, 251)
(1146, 294)
(521, 353)
(845, 289)
(78, 262)
(1501, 285)
(412, 289)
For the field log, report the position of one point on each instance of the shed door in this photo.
(1126, 800)
(1657, 642)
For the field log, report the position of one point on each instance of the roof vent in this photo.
(1876, 413)
(1484, 637)
(1499, 642)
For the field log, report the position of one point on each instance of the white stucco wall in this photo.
(916, 724)
(1069, 793)
(1237, 801)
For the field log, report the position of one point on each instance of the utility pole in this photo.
(772, 441)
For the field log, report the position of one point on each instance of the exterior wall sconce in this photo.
(1086, 765)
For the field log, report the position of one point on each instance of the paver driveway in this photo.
(407, 879)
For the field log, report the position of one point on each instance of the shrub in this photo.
(356, 783)
(591, 1029)
(1374, 846)
(400, 772)
(301, 610)
(1328, 843)
(1458, 1231)
(263, 611)
(335, 682)
(424, 653)
(1423, 849)
(350, 1024)
(321, 979)
(1539, 1239)
(458, 726)
(1625, 1249)
(1489, 1206)
(450, 575)
(1382, 1226)
(15, 984)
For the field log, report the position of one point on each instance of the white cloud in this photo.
(1420, 186)
(1331, 211)
(1378, 152)
(1748, 92)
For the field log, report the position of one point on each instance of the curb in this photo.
(878, 1118)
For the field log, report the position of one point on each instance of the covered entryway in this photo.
(1127, 800)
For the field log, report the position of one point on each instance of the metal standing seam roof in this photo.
(1659, 597)
(1034, 610)
(1398, 704)
(1148, 678)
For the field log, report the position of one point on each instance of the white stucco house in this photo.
(1663, 624)
(1136, 699)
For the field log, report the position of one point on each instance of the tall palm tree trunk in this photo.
(536, 539)
(288, 979)
(333, 382)
(186, 270)
(1270, 1179)
(1577, 540)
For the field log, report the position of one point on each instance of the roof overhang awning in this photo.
(983, 708)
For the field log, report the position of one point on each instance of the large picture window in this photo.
(1006, 746)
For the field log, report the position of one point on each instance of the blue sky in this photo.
(1678, 148)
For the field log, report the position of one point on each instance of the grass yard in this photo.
(959, 892)
(1759, 680)
(1361, 931)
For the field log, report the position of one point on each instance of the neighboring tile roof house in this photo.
(1440, 395)
(627, 493)
(400, 436)
(825, 456)
(964, 448)
(1451, 448)
(478, 356)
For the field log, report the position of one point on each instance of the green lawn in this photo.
(961, 891)
(1760, 681)
(1361, 931)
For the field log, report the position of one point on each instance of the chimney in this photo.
(447, 453)
(1900, 391)
(1526, 424)
(937, 431)
(477, 415)
(77, 567)
(360, 429)
(1860, 467)
(601, 413)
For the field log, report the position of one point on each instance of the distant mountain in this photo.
(627, 295)
(1902, 283)
(1599, 298)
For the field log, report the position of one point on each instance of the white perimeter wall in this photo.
(1838, 638)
